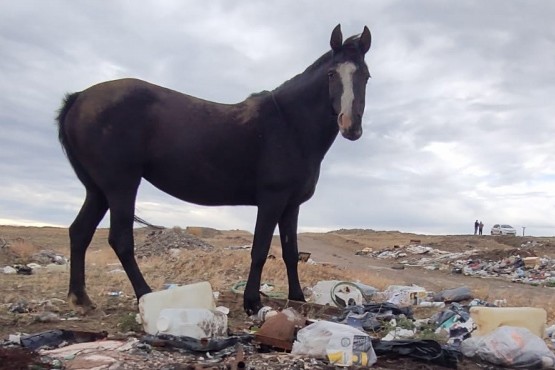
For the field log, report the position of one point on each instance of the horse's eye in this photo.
(331, 74)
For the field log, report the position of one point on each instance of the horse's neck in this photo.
(306, 107)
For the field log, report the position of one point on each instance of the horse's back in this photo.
(196, 150)
(118, 101)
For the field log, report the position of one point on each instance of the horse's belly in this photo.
(215, 192)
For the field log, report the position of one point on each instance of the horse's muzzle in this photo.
(349, 128)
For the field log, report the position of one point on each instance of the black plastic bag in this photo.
(193, 344)
(423, 350)
(53, 338)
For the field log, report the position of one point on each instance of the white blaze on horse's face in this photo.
(344, 118)
(347, 98)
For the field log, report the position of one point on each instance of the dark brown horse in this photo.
(265, 151)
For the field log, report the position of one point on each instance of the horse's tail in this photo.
(81, 173)
(61, 118)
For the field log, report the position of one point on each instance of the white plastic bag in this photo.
(510, 346)
(342, 344)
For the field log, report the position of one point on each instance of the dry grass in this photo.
(545, 301)
(36, 287)
(22, 248)
(222, 268)
(101, 257)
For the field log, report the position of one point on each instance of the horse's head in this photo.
(348, 76)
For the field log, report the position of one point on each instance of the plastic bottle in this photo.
(196, 323)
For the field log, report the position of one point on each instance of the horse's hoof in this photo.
(252, 308)
(297, 297)
(82, 305)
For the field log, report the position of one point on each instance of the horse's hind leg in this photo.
(81, 232)
(122, 210)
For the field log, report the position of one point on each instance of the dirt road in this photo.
(329, 249)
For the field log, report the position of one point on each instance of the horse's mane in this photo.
(350, 44)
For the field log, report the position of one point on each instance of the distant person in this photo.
(476, 224)
(480, 227)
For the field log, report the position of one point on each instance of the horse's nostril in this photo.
(344, 121)
(340, 120)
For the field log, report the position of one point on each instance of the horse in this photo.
(265, 151)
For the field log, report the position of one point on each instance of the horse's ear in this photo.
(336, 40)
(365, 40)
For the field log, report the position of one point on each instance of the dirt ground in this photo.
(339, 248)
(333, 254)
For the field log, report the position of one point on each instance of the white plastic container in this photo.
(192, 322)
(488, 319)
(265, 313)
(405, 296)
(348, 292)
(198, 295)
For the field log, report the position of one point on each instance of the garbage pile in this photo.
(518, 265)
(169, 241)
(41, 261)
(464, 325)
(358, 326)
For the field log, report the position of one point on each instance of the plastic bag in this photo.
(454, 295)
(342, 344)
(193, 344)
(510, 346)
(53, 338)
(424, 349)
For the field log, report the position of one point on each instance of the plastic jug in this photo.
(488, 319)
(198, 295)
(192, 322)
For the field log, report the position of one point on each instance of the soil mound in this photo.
(158, 242)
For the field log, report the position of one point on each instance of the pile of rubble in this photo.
(46, 257)
(517, 265)
(171, 241)
(43, 260)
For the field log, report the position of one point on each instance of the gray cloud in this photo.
(458, 123)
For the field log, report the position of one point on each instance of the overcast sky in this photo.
(458, 126)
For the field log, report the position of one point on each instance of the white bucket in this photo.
(198, 295)
(192, 322)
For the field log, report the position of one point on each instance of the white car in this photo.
(499, 229)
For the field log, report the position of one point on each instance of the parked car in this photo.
(500, 229)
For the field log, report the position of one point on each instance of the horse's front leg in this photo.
(288, 235)
(269, 212)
